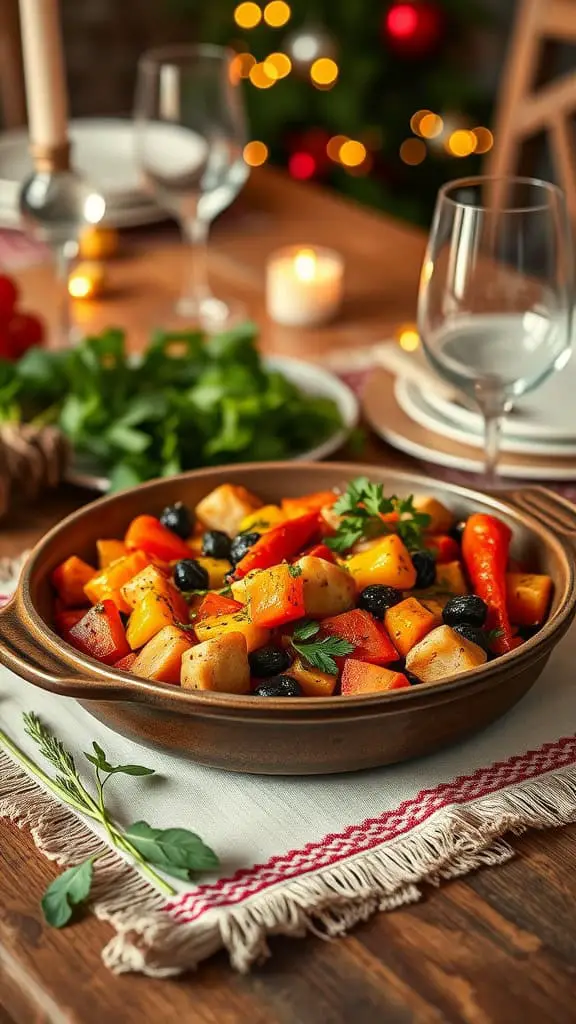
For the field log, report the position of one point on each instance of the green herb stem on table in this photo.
(175, 851)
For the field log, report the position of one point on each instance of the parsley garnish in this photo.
(362, 508)
(295, 570)
(319, 654)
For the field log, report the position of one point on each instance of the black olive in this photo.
(241, 545)
(281, 686)
(465, 608)
(269, 661)
(216, 544)
(179, 519)
(412, 679)
(425, 565)
(474, 634)
(377, 599)
(190, 575)
(457, 530)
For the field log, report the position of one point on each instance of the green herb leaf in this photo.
(362, 508)
(100, 761)
(172, 848)
(305, 629)
(295, 570)
(320, 654)
(71, 888)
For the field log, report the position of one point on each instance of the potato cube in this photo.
(450, 576)
(328, 589)
(528, 597)
(314, 683)
(387, 562)
(443, 653)
(220, 664)
(225, 508)
(162, 656)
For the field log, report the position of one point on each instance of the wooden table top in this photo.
(497, 946)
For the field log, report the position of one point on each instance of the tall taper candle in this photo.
(45, 77)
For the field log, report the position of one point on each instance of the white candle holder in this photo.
(304, 285)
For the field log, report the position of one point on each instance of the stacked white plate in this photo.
(412, 409)
(103, 152)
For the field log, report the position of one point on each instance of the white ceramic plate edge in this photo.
(312, 379)
(411, 399)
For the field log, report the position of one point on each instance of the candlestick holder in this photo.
(56, 204)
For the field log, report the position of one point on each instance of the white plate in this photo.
(412, 400)
(103, 152)
(311, 379)
(546, 414)
(390, 421)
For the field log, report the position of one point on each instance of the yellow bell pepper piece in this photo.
(387, 563)
(262, 519)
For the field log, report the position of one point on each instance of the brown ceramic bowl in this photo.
(299, 736)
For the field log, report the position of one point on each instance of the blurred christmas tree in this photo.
(376, 98)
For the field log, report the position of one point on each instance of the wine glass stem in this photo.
(63, 262)
(195, 232)
(492, 436)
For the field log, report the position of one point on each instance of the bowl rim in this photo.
(172, 697)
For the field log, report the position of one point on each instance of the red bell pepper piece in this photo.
(321, 551)
(279, 544)
(146, 533)
(100, 634)
(216, 604)
(65, 618)
(444, 548)
(370, 639)
(294, 508)
(125, 663)
(485, 544)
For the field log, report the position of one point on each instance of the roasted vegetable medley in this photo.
(351, 593)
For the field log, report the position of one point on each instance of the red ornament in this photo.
(8, 296)
(413, 28)
(23, 331)
(308, 154)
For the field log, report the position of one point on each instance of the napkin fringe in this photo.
(452, 842)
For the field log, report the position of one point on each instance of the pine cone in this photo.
(31, 459)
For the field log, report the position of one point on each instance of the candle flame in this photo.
(305, 265)
(80, 287)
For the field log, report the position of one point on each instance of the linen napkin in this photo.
(318, 853)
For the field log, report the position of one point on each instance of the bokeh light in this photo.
(462, 142)
(408, 338)
(430, 126)
(334, 146)
(305, 263)
(248, 15)
(412, 152)
(241, 66)
(255, 153)
(280, 62)
(277, 13)
(263, 76)
(402, 21)
(324, 72)
(352, 153)
(484, 139)
(302, 166)
(416, 120)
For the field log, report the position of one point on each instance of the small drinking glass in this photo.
(190, 136)
(495, 299)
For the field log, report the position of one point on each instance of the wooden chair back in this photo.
(527, 107)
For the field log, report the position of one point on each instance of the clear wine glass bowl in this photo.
(495, 298)
(190, 135)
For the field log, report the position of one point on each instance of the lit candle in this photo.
(304, 286)
(44, 73)
(87, 281)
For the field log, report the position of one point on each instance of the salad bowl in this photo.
(302, 735)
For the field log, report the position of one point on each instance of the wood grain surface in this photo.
(498, 947)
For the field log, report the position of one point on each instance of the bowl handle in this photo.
(557, 513)
(21, 655)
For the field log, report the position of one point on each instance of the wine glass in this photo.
(495, 299)
(190, 136)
